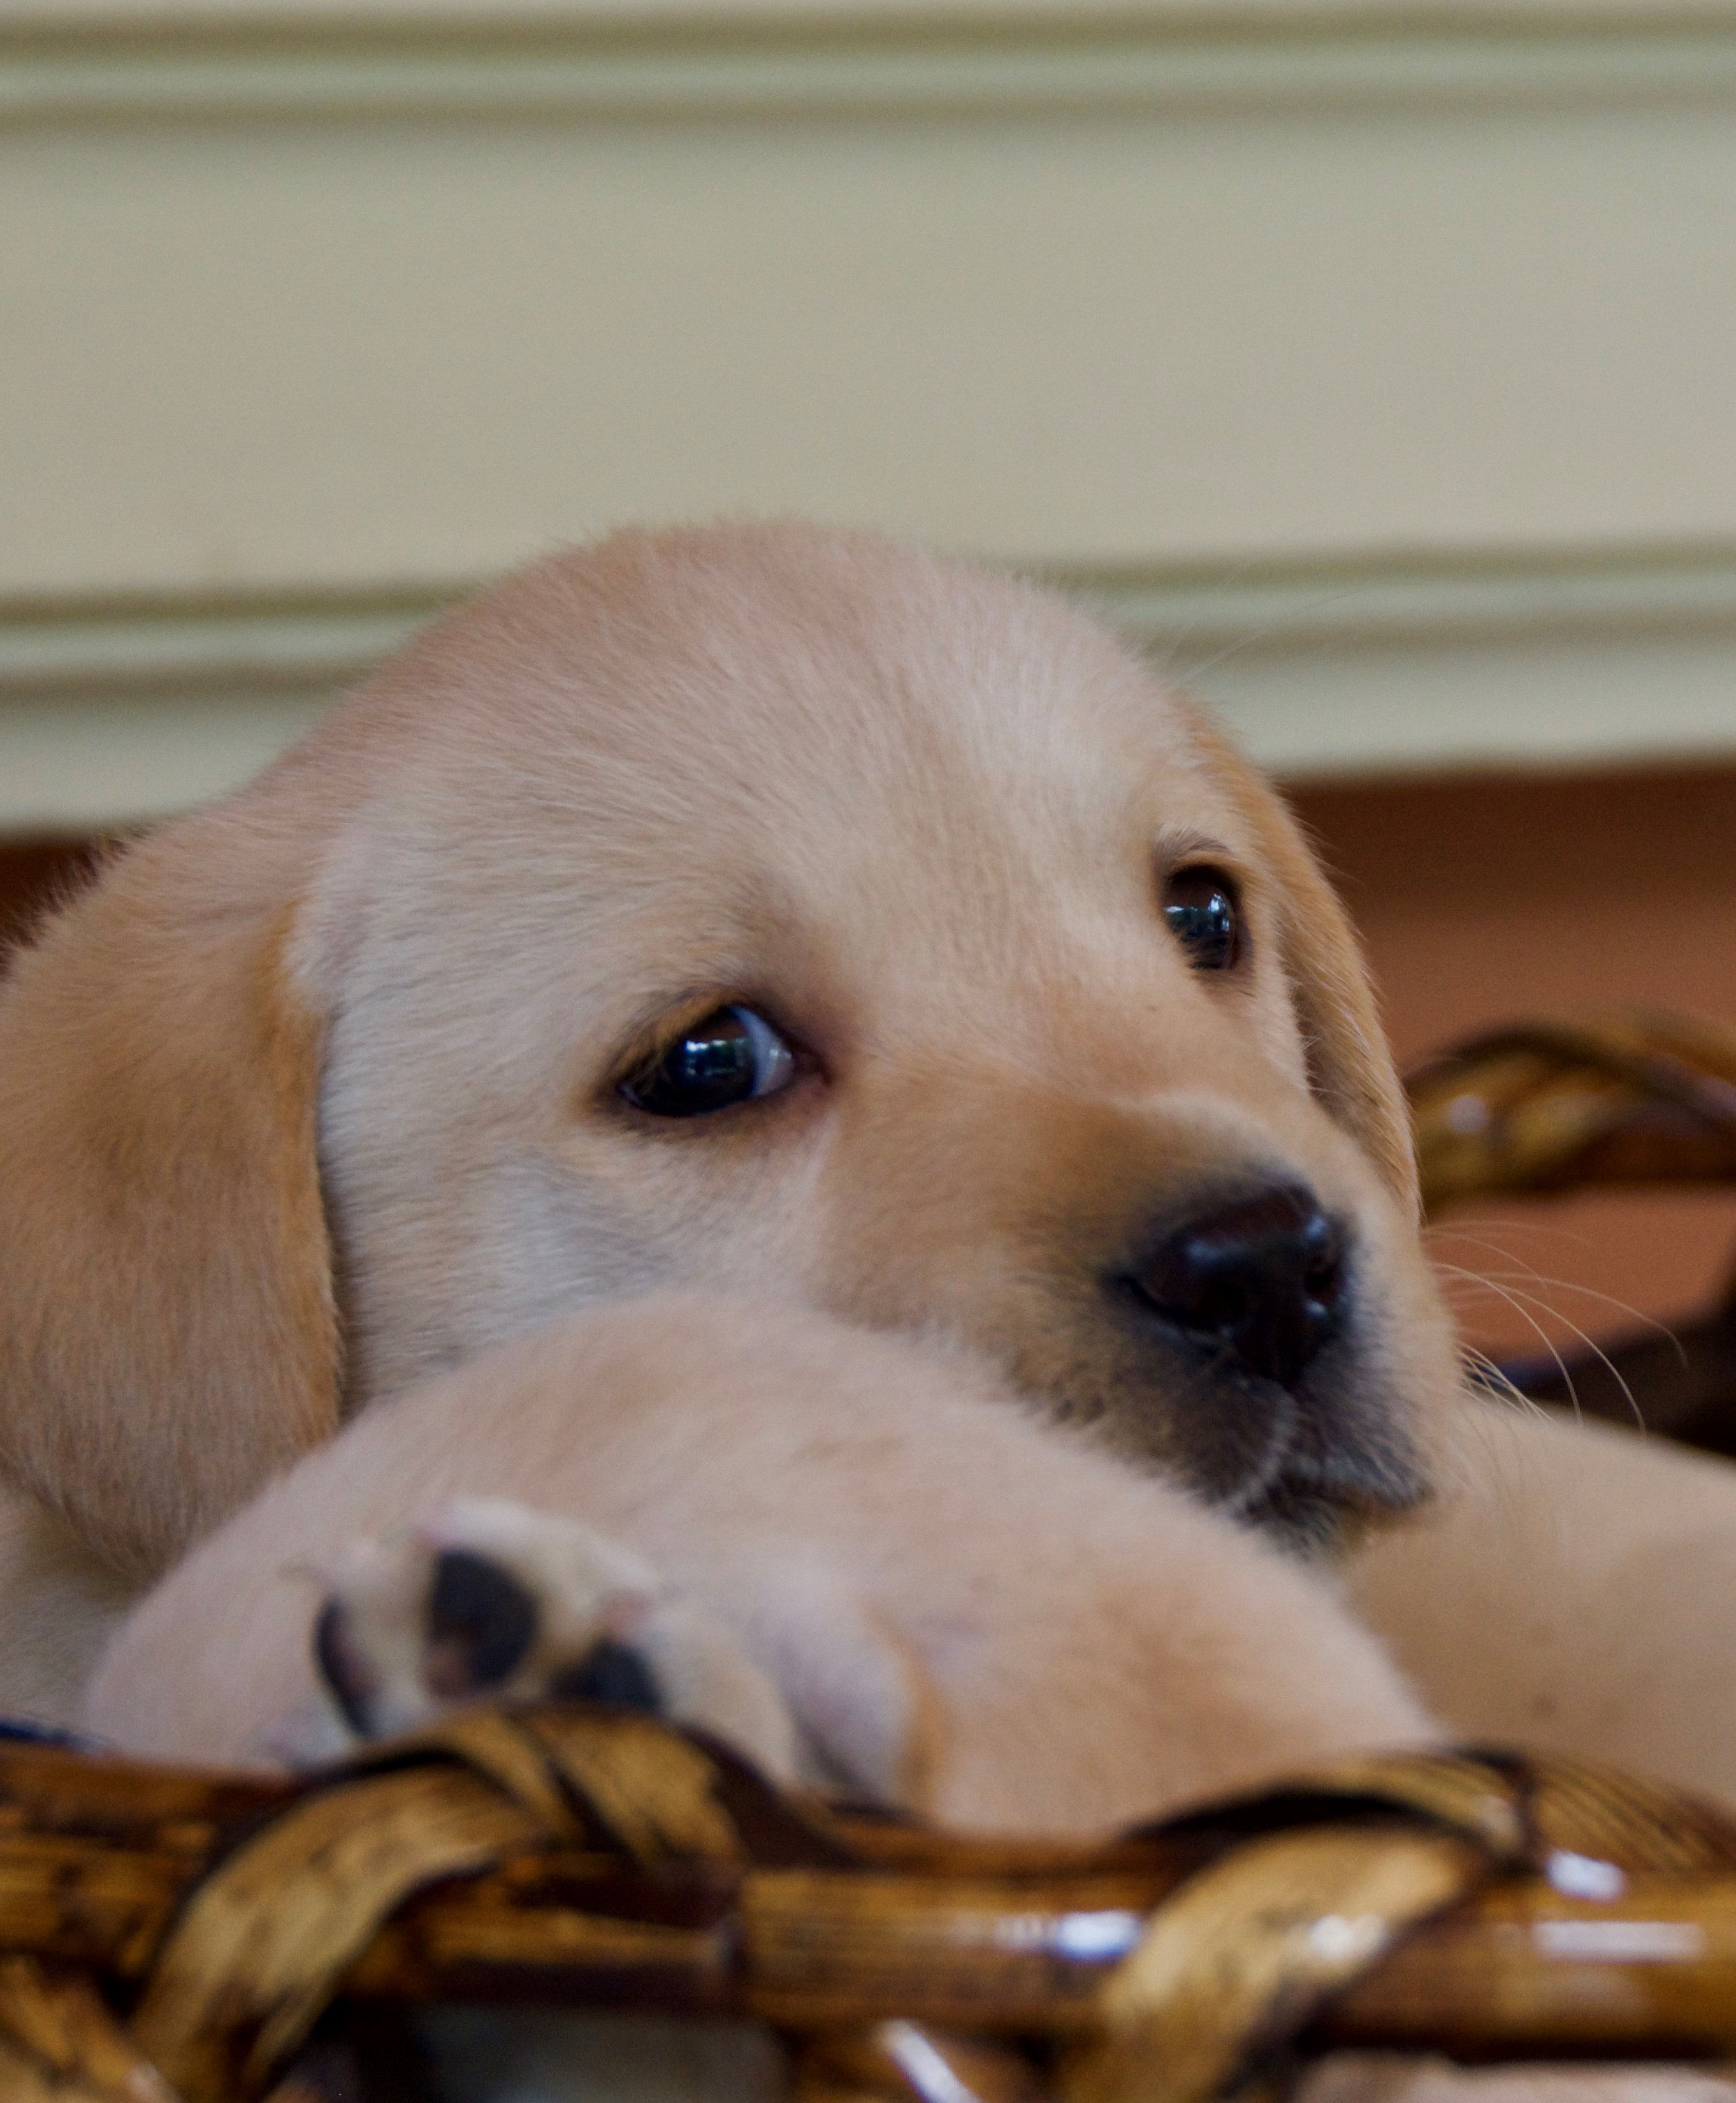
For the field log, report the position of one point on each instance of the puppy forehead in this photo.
(820, 709)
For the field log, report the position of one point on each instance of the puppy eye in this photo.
(1200, 906)
(732, 1056)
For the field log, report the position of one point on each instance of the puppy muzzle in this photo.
(1285, 1420)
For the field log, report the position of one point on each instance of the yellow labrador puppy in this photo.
(764, 1125)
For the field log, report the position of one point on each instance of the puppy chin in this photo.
(1308, 1522)
(1323, 1506)
(1317, 1470)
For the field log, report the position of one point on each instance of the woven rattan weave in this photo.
(167, 1934)
(175, 1934)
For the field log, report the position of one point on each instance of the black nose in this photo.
(1262, 1274)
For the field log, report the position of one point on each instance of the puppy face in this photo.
(795, 916)
(804, 919)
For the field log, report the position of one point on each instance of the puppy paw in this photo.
(490, 1600)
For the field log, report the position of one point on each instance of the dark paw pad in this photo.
(341, 1667)
(610, 1672)
(481, 1623)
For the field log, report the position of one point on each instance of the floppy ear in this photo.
(1350, 1067)
(168, 1337)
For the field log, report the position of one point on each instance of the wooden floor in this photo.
(1480, 901)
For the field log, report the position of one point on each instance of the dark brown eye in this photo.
(730, 1057)
(1200, 906)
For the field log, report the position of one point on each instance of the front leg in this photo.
(964, 1611)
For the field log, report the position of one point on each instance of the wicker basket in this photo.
(1628, 1102)
(171, 1933)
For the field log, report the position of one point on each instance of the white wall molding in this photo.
(1256, 17)
(1369, 360)
(1381, 665)
(135, 644)
(1387, 595)
(725, 65)
(133, 647)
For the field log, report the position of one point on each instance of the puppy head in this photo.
(759, 908)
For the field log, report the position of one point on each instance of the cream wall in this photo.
(1374, 364)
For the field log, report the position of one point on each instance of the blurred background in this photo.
(1373, 365)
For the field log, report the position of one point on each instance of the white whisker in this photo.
(1255, 634)
(1492, 1380)
(1514, 1297)
(1624, 1307)
(1524, 1313)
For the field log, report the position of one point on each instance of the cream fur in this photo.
(1094, 1642)
(310, 1154)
